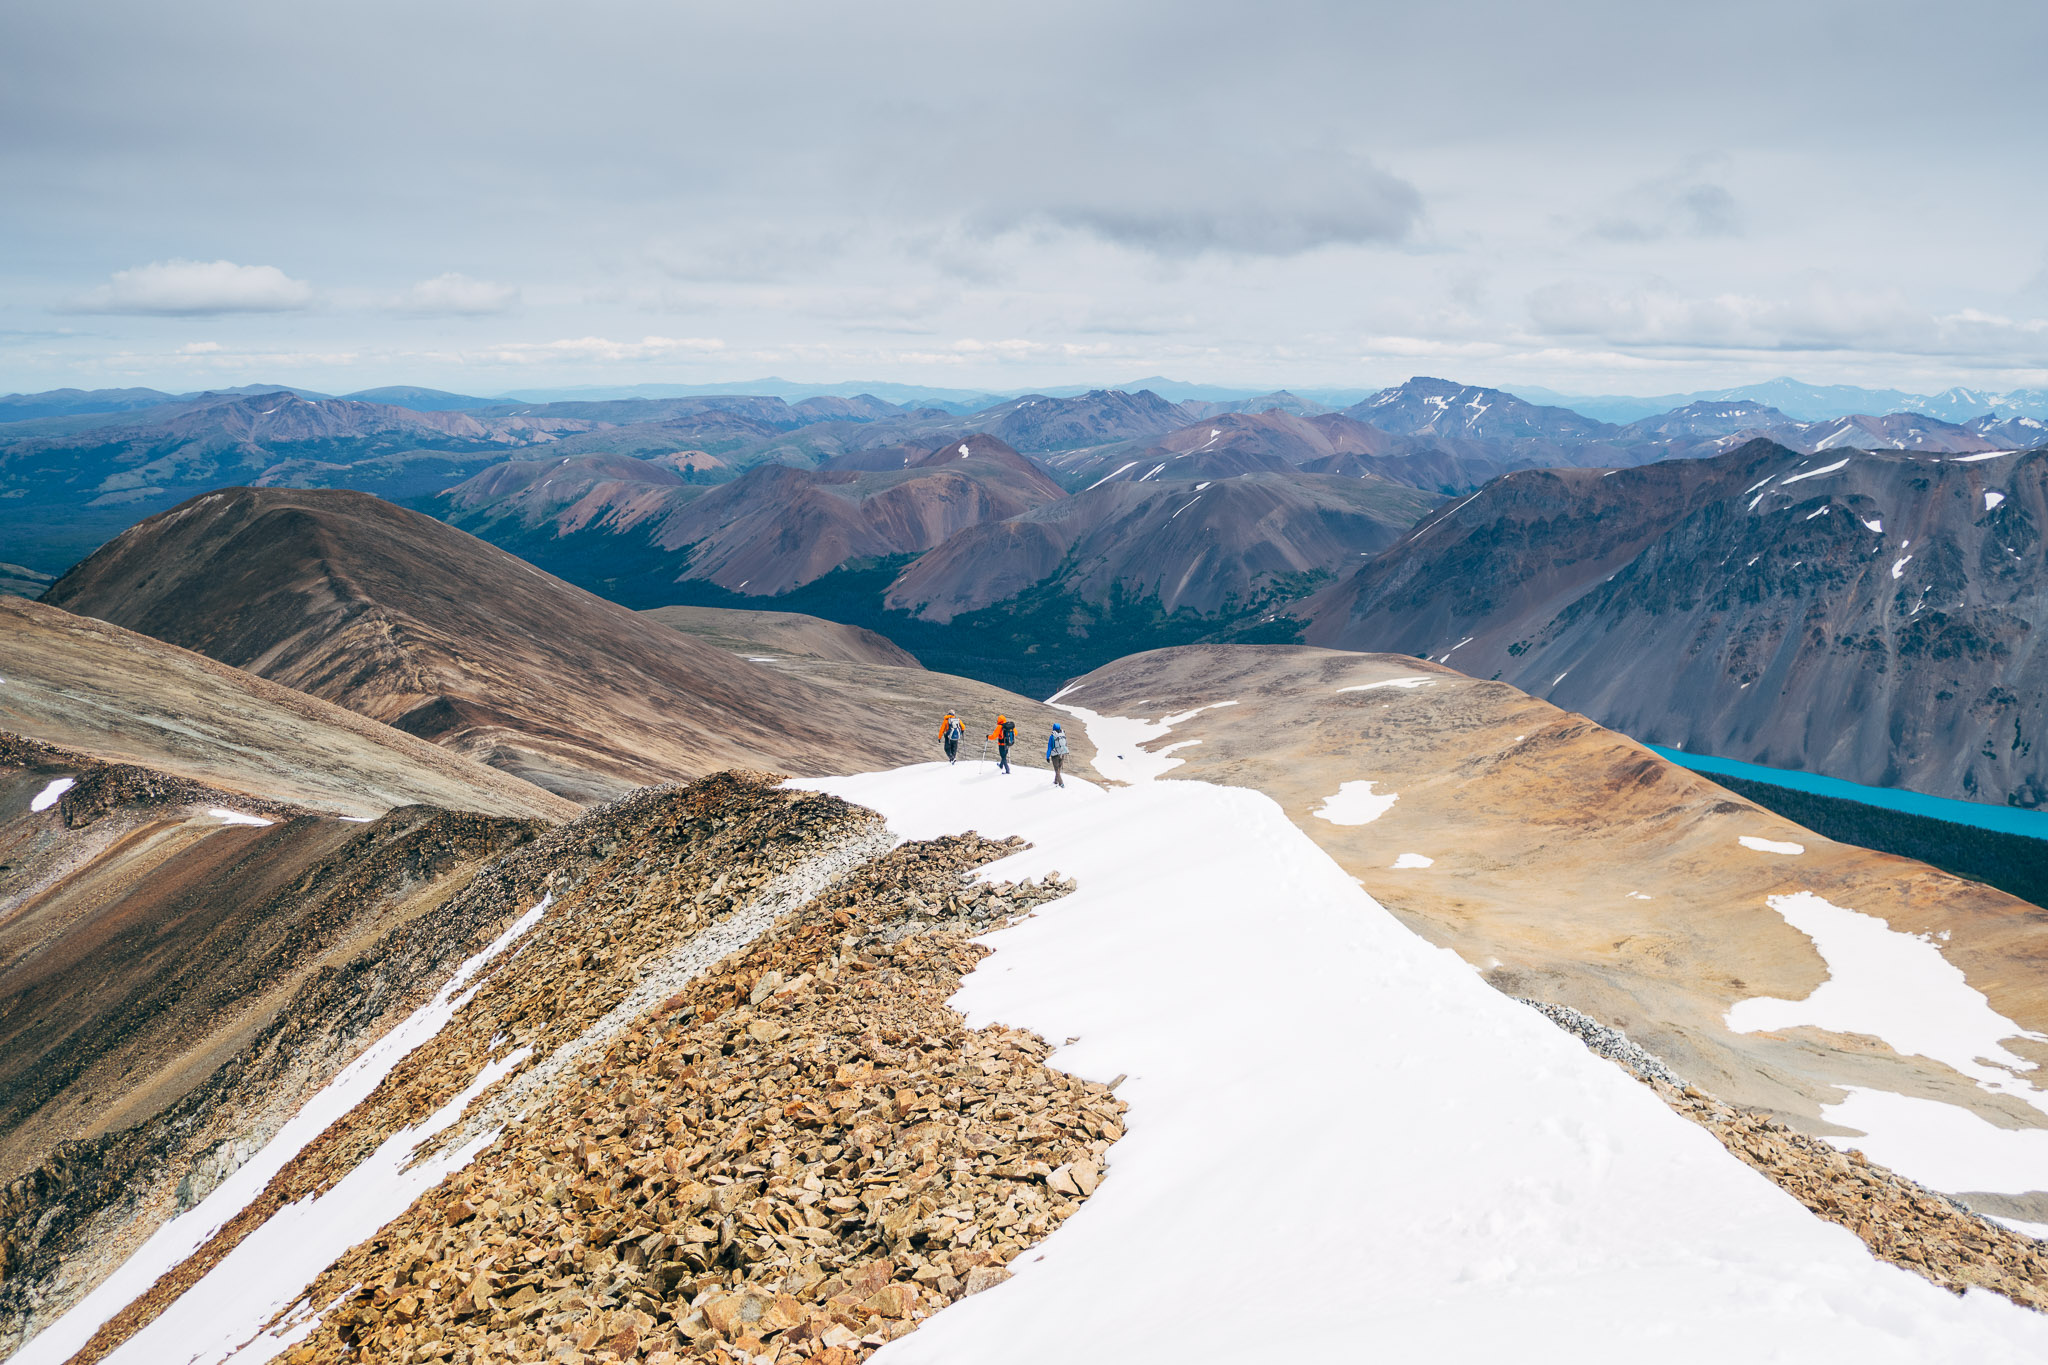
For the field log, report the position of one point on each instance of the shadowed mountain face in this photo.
(1274, 441)
(404, 619)
(1876, 617)
(1206, 547)
(904, 539)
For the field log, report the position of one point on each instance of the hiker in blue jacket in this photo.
(1056, 753)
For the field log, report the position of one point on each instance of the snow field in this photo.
(1342, 1144)
(1750, 841)
(177, 1239)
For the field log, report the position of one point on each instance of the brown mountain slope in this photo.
(773, 529)
(112, 695)
(406, 620)
(779, 633)
(1876, 617)
(1201, 546)
(1572, 865)
(402, 618)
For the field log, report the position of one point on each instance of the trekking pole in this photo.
(982, 762)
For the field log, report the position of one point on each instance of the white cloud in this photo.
(180, 288)
(456, 294)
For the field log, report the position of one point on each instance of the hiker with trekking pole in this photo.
(1004, 735)
(1056, 753)
(949, 735)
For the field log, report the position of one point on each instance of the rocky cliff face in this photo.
(1873, 616)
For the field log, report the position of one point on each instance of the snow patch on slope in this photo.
(50, 795)
(1899, 989)
(1412, 681)
(1356, 804)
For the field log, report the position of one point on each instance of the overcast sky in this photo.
(1632, 197)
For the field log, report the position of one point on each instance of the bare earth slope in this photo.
(773, 529)
(1873, 616)
(1572, 865)
(756, 633)
(83, 685)
(406, 620)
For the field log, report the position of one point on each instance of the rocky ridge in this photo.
(800, 1156)
(631, 886)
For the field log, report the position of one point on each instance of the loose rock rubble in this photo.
(1610, 1043)
(631, 881)
(799, 1156)
(799, 1151)
(1902, 1222)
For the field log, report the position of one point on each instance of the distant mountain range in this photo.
(1809, 402)
(1801, 401)
(1022, 543)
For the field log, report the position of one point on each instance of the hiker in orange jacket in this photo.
(1004, 735)
(950, 733)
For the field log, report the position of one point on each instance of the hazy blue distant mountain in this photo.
(33, 407)
(904, 395)
(1424, 406)
(422, 400)
(28, 407)
(1806, 402)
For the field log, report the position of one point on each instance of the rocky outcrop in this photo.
(171, 988)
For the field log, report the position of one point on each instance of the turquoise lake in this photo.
(2004, 819)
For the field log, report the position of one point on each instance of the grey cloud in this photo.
(1676, 207)
(1361, 206)
(1042, 167)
